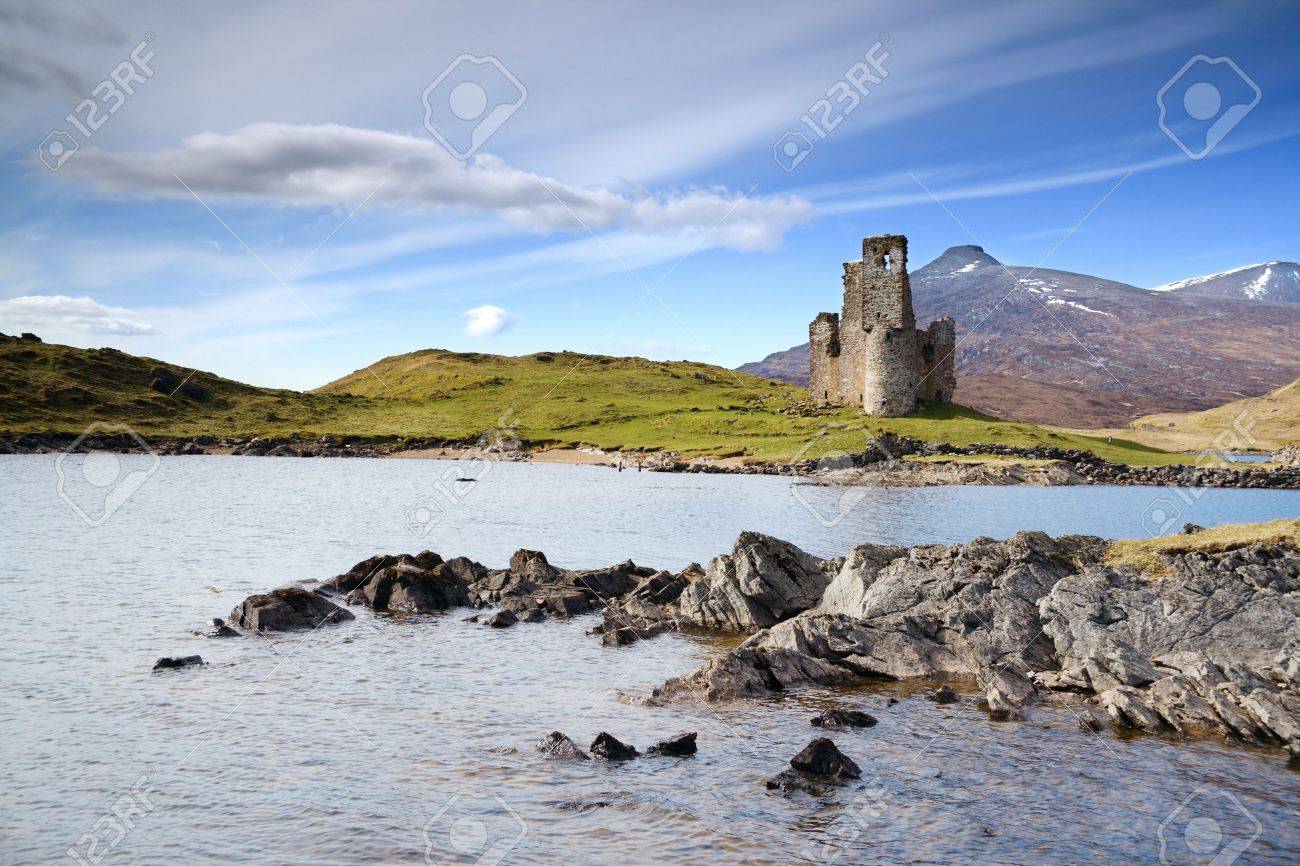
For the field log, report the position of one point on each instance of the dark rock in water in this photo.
(407, 584)
(220, 629)
(557, 745)
(788, 782)
(837, 718)
(167, 663)
(943, 695)
(822, 758)
(609, 748)
(680, 746)
(501, 619)
(891, 702)
(287, 609)
(472, 618)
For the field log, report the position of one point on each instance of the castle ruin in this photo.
(874, 356)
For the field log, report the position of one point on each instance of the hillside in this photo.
(1063, 348)
(1271, 421)
(561, 399)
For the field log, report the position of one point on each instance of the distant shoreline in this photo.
(892, 461)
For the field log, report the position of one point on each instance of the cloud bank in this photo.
(339, 166)
(61, 313)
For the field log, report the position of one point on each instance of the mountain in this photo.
(1265, 423)
(1270, 281)
(1075, 350)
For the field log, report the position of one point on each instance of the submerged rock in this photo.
(611, 749)
(557, 745)
(682, 745)
(837, 718)
(168, 662)
(287, 609)
(943, 695)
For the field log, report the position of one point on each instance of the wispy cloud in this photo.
(337, 166)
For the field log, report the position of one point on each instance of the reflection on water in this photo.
(386, 741)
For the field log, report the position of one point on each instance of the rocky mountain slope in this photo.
(1270, 281)
(1063, 348)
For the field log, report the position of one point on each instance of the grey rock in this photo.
(761, 582)
(1193, 651)
(557, 745)
(288, 609)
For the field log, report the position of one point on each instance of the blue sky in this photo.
(644, 144)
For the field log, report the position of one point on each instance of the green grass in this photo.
(560, 399)
(1149, 555)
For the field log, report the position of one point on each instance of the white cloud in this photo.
(487, 321)
(340, 166)
(61, 313)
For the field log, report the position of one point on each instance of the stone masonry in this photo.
(873, 355)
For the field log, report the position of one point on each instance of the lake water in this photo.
(384, 741)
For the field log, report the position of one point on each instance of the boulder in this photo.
(287, 609)
(681, 746)
(500, 619)
(608, 747)
(761, 582)
(168, 662)
(819, 765)
(557, 745)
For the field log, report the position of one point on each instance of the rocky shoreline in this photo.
(1210, 647)
(883, 465)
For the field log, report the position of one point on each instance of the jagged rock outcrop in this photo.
(288, 609)
(1210, 646)
(411, 584)
(761, 582)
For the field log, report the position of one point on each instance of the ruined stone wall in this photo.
(891, 373)
(824, 357)
(873, 356)
(886, 290)
(937, 361)
(848, 384)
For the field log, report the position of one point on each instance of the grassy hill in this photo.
(561, 399)
(1271, 421)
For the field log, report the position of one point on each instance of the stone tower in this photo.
(873, 355)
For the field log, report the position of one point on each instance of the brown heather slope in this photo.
(1265, 423)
